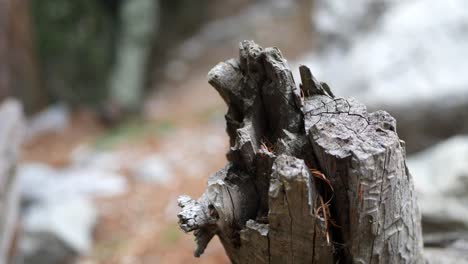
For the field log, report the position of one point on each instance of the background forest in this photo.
(119, 118)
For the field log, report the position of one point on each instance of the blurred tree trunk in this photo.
(139, 24)
(4, 65)
(18, 71)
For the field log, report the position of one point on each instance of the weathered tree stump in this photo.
(311, 178)
(11, 122)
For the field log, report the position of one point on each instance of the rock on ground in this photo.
(55, 118)
(441, 178)
(58, 215)
(445, 256)
(153, 169)
(56, 232)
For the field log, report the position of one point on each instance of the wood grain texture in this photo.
(311, 178)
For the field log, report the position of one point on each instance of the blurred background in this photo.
(106, 115)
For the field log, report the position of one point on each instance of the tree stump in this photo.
(311, 178)
(11, 128)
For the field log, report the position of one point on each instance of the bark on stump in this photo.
(311, 178)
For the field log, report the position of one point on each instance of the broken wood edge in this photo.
(274, 128)
(361, 153)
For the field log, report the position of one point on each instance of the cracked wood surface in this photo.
(363, 158)
(311, 178)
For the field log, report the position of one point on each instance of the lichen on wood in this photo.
(311, 177)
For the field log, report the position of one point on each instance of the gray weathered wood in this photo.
(311, 178)
(365, 161)
(11, 122)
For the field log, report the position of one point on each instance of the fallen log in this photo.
(11, 128)
(423, 124)
(311, 178)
